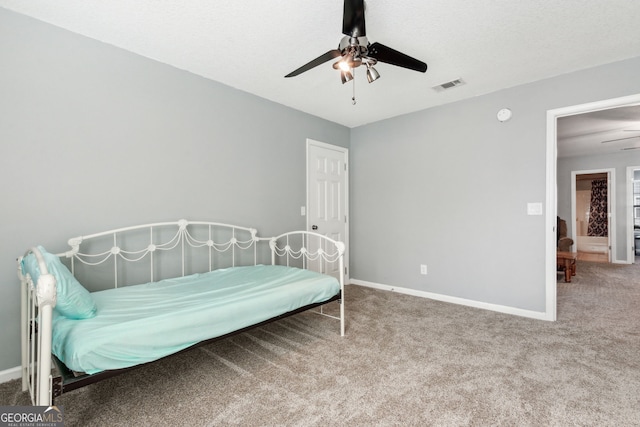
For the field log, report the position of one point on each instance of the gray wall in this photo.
(449, 187)
(617, 161)
(93, 137)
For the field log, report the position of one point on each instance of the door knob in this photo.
(314, 227)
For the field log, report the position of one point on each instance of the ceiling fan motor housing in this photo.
(354, 50)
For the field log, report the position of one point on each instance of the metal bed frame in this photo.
(301, 248)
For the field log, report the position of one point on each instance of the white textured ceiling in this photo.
(251, 44)
(599, 132)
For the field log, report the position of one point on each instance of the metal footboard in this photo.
(316, 252)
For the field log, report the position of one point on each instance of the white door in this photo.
(327, 198)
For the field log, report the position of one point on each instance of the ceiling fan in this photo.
(355, 50)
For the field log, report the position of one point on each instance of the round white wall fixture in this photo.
(504, 114)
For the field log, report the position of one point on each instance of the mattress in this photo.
(142, 323)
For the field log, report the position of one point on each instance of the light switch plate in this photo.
(534, 208)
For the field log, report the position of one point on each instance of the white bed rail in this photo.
(316, 252)
(235, 238)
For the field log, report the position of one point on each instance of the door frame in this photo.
(611, 208)
(551, 200)
(345, 154)
(631, 255)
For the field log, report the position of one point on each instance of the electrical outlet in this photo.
(423, 269)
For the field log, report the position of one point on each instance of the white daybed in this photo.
(196, 282)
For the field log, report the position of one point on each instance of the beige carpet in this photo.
(405, 361)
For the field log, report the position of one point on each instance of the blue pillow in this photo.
(72, 299)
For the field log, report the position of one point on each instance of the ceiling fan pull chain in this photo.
(353, 98)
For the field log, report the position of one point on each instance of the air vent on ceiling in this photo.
(448, 85)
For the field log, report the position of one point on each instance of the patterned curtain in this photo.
(598, 210)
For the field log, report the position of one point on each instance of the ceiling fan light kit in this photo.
(355, 50)
(372, 74)
(346, 76)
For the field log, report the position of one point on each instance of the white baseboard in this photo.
(455, 300)
(10, 374)
(621, 261)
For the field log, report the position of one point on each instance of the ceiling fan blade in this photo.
(335, 53)
(391, 56)
(353, 18)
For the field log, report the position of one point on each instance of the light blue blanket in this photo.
(142, 323)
